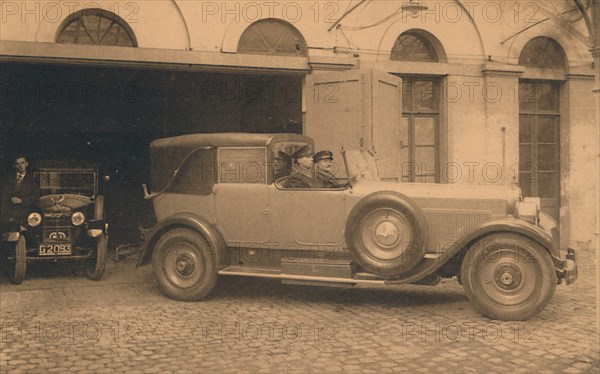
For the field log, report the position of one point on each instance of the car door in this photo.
(308, 218)
(241, 196)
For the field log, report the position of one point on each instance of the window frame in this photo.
(75, 17)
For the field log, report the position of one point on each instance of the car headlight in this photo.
(77, 218)
(34, 219)
(529, 209)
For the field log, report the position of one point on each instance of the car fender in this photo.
(186, 220)
(511, 225)
(460, 246)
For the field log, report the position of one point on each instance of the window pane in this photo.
(542, 52)
(525, 157)
(423, 96)
(406, 94)
(272, 37)
(413, 47)
(547, 157)
(526, 97)
(547, 129)
(547, 97)
(527, 187)
(525, 129)
(96, 27)
(424, 131)
(548, 183)
(424, 162)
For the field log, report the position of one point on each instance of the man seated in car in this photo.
(303, 174)
(282, 165)
(324, 170)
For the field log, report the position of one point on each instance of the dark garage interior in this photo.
(109, 116)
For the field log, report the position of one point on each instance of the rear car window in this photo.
(242, 165)
(197, 174)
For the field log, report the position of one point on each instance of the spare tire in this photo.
(386, 233)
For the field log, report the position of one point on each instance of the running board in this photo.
(276, 274)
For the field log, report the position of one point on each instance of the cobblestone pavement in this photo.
(58, 321)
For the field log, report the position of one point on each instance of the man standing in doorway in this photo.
(20, 192)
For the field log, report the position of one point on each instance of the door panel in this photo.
(311, 218)
(243, 214)
(356, 109)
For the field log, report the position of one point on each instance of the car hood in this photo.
(437, 190)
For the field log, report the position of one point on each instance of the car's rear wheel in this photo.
(508, 277)
(185, 265)
(16, 271)
(95, 266)
(386, 233)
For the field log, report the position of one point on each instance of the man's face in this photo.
(326, 164)
(306, 161)
(278, 164)
(21, 165)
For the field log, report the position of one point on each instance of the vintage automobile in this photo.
(220, 212)
(67, 223)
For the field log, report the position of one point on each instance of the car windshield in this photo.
(72, 181)
(360, 164)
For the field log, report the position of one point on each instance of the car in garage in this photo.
(66, 224)
(221, 212)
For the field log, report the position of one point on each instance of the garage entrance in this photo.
(110, 115)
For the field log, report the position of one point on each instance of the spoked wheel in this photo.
(95, 266)
(508, 277)
(16, 271)
(185, 265)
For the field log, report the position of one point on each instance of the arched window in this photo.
(420, 130)
(413, 46)
(542, 52)
(272, 37)
(96, 27)
(539, 124)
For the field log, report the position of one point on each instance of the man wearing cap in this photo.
(303, 175)
(282, 165)
(324, 170)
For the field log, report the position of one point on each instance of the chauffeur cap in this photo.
(323, 155)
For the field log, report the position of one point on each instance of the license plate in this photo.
(55, 249)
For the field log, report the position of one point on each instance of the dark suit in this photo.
(326, 179)
(299, 180)
(27, 190)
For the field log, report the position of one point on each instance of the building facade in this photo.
(492, 92)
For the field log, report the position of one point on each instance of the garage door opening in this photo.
(110, 115)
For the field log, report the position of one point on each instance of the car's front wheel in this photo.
(16, 270)
(508, 277)
(185, 265)
(95, 267)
